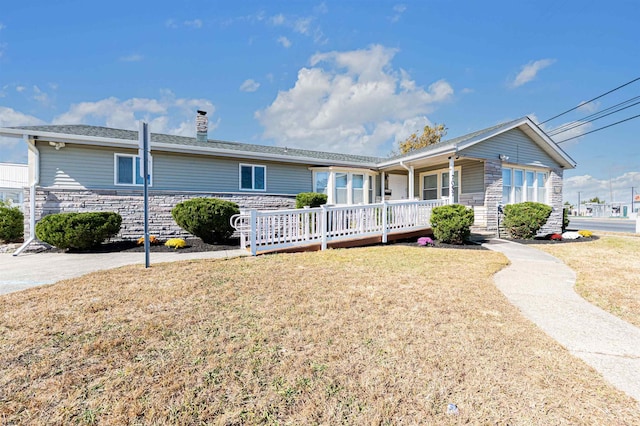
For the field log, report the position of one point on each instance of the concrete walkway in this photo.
(34, 269)
(542, 287)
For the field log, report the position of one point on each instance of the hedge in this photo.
(524, 220)
(79, 231)
(206, 218)
(452, 223)
(11, 224)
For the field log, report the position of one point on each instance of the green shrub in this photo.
(11, 224)
(452, 223)
(311, 199)
(206, 218)
(78, 230)
(524, 220)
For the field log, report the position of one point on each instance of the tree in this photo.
(429, 136)
(596, 200)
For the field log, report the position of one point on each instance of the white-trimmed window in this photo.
(321, 182)
(434, 184)
(519, 185)
(128, 170)
(253, 177)
(344, 186)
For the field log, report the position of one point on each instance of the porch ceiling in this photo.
(419, 163)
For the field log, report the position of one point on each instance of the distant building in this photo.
(13, 180)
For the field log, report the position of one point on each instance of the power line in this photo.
(582, 123)
(591, 100)
(600, 128)
(595, 114)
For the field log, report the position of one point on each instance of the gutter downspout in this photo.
(35, 180)
(411, 192)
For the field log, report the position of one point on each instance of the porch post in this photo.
(451, 172)
(411, 183)
(382, 186)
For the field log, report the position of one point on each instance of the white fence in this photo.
(268, 230)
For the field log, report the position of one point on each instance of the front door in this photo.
(399, 187)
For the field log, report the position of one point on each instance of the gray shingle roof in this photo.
(132, 135)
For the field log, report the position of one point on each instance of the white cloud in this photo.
(399, 9)
(618, 188)
(277, 20)
(3, 48)
(357, 103)
(589, 107)
(530, 70)
(285, 42)
(173, 24)
(249, 86)
(40, 96)
(12, 149)
(134, 57)
(302, 25)
(2, 26)
(196, 23)
(321, 9)
(168, 114)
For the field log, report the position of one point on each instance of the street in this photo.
(603, 224)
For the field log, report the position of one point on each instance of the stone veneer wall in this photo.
(130, 205)
(554, 223)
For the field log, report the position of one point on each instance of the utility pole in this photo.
(579, 202)
(632, 198)
(144, 137)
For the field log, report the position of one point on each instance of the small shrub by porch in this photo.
(452, 223)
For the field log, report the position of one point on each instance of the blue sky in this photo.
(351, 76)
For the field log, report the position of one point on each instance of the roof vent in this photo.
(202, 126)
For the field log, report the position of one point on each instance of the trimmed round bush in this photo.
(206, 218)
(79, 231)
(452, 223)
(524, 220)
(311, 199)
(11, 224)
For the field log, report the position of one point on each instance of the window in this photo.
(344, 186)
(129, 170)
(434, 185)
(506, 186)
(531, 189)
(253, 177)
(445, 185)
(430, 187)
(357, 189)
(520, 185)
(320, 182)
(341, 188)
(542, 187)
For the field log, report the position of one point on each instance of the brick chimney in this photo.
(202, 126)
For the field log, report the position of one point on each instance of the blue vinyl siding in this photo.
(516, 145)
(93, 168)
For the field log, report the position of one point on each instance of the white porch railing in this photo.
(266, 230)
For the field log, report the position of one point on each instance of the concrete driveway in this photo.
(34, 269)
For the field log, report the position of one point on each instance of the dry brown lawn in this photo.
(379, 335)
(608, 273)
